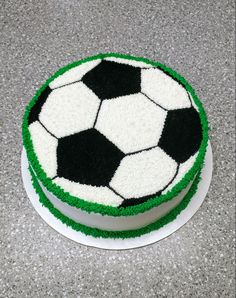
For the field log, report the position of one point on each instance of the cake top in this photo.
(115, 130)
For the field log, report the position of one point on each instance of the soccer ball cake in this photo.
(115, 145)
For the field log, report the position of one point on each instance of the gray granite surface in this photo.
(196, 38)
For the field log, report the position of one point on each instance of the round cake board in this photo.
(129, 243)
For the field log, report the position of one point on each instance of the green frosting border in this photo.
(115, 234)
(99, 208)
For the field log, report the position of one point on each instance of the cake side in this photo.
(92, 230)
(178, 168)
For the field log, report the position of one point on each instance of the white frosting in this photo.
(45, 147)
(193, 103)
(183, 169)
(143, 173)
(69, 110)
(91, 193)
(164, 90)
(111, 223)
(131, 122)
(130, 62)
(74, 74)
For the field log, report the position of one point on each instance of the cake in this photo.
(115, 145)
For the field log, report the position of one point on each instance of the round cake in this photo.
(115, 145)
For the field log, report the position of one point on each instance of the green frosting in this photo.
(99, 208)
(115, 234)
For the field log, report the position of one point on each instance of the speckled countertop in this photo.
(196, 38)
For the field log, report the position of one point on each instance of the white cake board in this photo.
(129, 243)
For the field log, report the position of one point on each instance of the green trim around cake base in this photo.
(99, 208)
(115, 234)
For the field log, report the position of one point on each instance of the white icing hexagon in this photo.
(74, 74)
(183, 169)
(130, 62)
(45, 147)
(193, 102)
(101, 195)
(131, 122)
(69, 110)
(164, 90)
(143, 173)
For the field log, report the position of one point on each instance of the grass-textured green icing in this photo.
(99, 208)
(114, 234)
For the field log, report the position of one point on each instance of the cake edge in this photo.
(95, 232)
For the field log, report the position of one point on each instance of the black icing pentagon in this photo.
(87, 157)
(110, 79)
(36, 109)
(182, 134)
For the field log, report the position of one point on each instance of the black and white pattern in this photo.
(115, 131)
